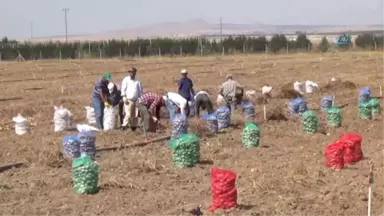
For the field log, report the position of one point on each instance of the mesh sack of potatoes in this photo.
(309, 122)
(250, 135)
(365, 111)
(87, 143)
(211, 122)
(185, 150)
(223, 117)
(375, 105)
(85, 175)
(71, 146)
(179, 126)
(334, 117)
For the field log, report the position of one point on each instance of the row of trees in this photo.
(10, 49)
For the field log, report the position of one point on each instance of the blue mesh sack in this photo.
(223, 115)
(298, 106)
(364, 95)
(249, 110)
(71, 146)
(179, 126)
(326, 102)
(87, 144)
(212, 124)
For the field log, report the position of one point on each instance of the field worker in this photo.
(185, 86)
(232, 92)
(149, 105)
(202, 101)
(116, 99)
(174, 100)
(100, 98)
(131, 90)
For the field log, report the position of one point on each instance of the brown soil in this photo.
(285, 176)
(338, 85)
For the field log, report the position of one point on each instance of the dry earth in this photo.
(285, 176)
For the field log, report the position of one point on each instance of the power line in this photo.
(66, 24)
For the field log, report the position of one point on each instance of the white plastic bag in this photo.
(62, 119)
(192, 109)
(251, 94)
(21, 125)
(91, 116)
(86, 128)
(310, 87)
(110, 118)
(299, 87)
(266, 90)
(220, 101)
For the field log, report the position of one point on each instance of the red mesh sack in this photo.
(224, 192)
(352, 144)
(334, 155)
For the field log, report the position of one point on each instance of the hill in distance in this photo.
(198, 27)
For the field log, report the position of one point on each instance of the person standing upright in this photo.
(232, 92)
(131, 91)
(185, 88)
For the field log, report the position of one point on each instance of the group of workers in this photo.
(131, 97)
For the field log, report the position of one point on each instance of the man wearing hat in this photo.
(185, 88)
(100, 96)
(131, 90)
(232, 92)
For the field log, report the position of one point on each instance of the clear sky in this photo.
(92, 16)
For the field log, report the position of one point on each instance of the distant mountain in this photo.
(201, 27)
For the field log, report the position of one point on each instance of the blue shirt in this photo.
(185, 88)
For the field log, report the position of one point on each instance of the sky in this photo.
(92, 16)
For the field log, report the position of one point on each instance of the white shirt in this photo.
(177, 99)
(131, 89)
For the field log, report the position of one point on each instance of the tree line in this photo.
(11, 49)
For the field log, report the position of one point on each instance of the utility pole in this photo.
(66, 26)
(221, 35)
(221, 31)
(31, 28)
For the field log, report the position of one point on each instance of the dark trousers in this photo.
(121, 112)
(202, 101)
(144, 115)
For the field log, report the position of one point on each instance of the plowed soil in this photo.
(284, 176)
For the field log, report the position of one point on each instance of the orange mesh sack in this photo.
(224, 192)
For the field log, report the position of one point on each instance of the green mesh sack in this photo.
(309, 122)
(375, 105)
(186, 150)
(365, 111)
(85, 175)
(251, 135)
(334, 117)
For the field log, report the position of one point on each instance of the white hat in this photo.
(184, 71)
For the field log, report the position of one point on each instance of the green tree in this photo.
(365, 41)
(324, 45)
(302, 42)
(277, 43)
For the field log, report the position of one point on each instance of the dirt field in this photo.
(285, 176)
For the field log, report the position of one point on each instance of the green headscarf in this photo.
(107, 76)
